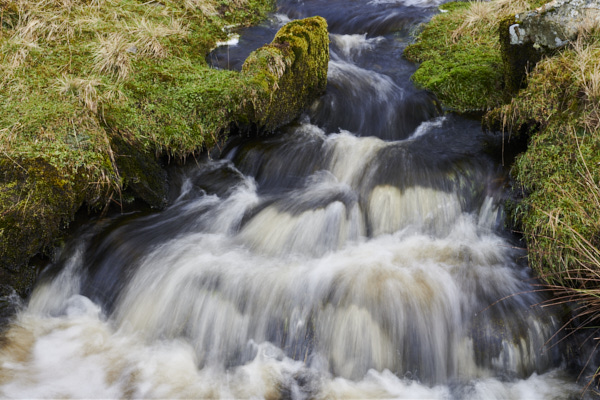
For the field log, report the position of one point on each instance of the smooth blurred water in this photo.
(359, 253)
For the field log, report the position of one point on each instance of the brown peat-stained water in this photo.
(359, 253)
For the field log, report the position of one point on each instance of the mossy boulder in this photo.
(140, 170)
(285, 76)
(517, 58)
(555, 24)
(462, 67)
(36, 201)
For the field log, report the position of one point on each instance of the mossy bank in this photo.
(557, 108)
(95, 97)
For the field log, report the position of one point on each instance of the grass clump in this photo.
(459, 54)
(559, 111)
(560, 171)
(560, 175)
(91, 93)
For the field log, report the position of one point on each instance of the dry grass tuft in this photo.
(590, 26)
(480, 12)
(483, 14)
(586, 69)
(15, 53)
(112, 55)
(83, 89)
(149, 35)
(207, 8)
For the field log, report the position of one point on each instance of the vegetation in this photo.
(94, 93)
(559, 111)
(289, 73)
(560, 170)
(459, 54)
(560, 175)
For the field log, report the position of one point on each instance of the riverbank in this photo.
(557, 109)
(97, 97)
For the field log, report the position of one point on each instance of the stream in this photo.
(359, 253)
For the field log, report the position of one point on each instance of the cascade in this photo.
(358, 253)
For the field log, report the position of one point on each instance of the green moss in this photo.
(94, 98)
(36, 201)
(561, 205)
(517, 60)
(73, 130)
(139, 170)
(462, 58)
(559, 171)
(284, 77)
(180, 109)
(464, 73)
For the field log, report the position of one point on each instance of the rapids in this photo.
(359, 253)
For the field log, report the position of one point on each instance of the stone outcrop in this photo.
(527, 36)
(285, 76)
(554, 24)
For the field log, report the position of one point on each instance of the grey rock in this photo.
(554, 24)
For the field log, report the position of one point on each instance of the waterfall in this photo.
(359, 253)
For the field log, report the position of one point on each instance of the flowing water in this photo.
(359, 253)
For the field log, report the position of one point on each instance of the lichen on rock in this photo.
(554, 24)
(529, 35)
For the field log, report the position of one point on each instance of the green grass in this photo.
(459, 54)
(91, 92)
(560, 171)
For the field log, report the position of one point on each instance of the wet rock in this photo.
(36, 201)
(287, 75)
(528, 36)
(140, 170)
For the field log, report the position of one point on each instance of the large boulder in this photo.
(527, 36)
(287, 75)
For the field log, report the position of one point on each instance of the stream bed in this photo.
(359, 253)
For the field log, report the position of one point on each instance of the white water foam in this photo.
(293, 296)
(355, 45)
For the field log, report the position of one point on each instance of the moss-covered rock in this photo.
(283, 78)
(36, 202)
(517, 59)
(460, 65)
(140, 170)
(529, 35)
